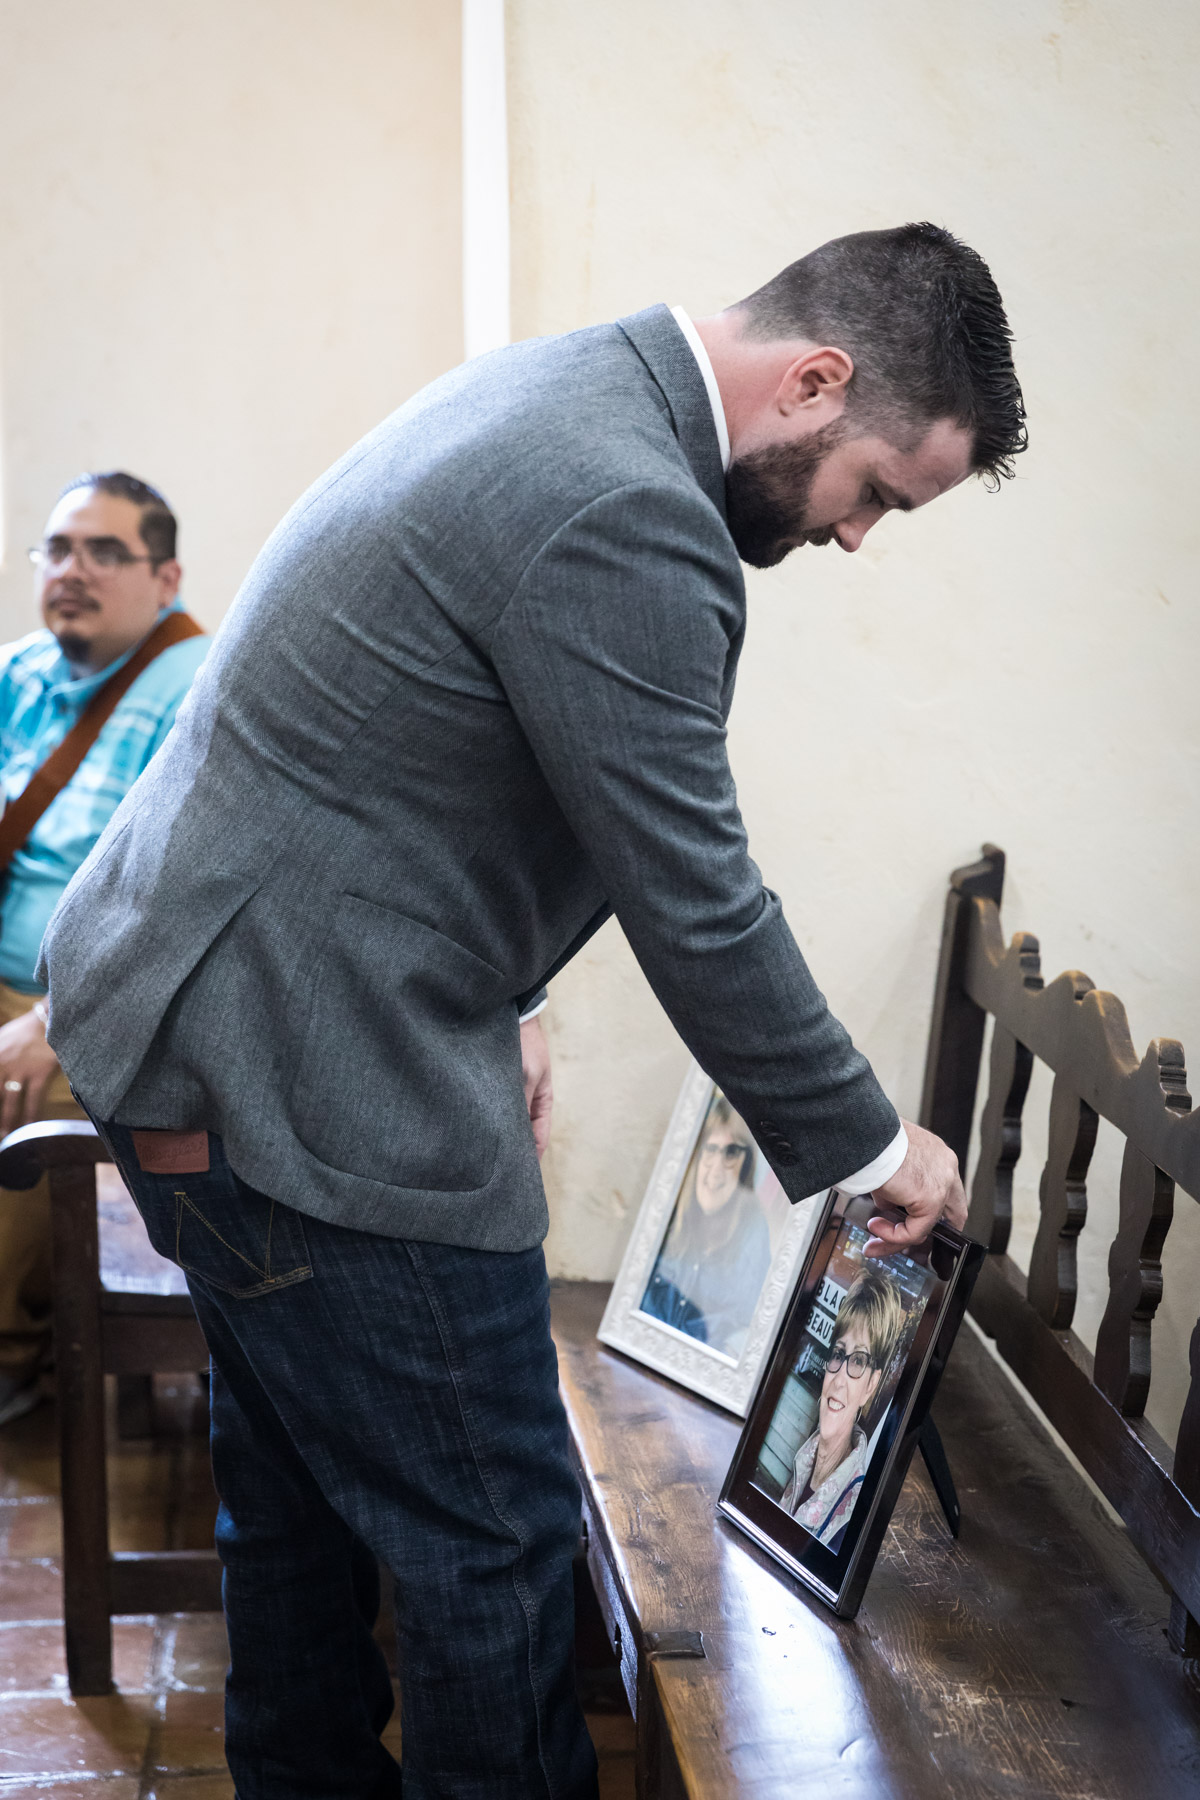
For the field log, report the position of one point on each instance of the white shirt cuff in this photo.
(541, 1006)
(877, 1172)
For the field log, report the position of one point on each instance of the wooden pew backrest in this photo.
(1081, 1033)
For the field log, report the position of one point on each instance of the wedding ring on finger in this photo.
(14, 1087)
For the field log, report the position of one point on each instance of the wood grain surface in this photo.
(1029, 1658)
(1053, 1278)
(990, 1219)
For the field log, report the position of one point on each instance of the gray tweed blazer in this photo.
(471, 697)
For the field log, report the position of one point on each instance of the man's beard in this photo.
(767, 493)
(75, 647)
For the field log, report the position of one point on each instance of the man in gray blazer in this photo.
(472, 698)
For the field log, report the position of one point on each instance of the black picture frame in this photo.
(834, 1552)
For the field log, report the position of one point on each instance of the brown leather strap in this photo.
(20, 818)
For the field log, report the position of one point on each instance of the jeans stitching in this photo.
(520, 1588)
(251, 1293)
(268, 1282)
(267, 1251)
(208, 1226)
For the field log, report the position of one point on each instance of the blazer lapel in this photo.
(668, 356)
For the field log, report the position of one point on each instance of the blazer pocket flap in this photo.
(411, 1055)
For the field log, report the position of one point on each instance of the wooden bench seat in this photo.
(1028, 1658)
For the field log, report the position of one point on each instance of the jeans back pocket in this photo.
(246, 1244)
(208, 1220)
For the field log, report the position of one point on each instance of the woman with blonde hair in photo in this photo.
(829, 1467)
(710, 1272)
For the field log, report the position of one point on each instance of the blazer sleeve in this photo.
(615, 651)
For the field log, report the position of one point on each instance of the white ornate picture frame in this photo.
(727, 1376)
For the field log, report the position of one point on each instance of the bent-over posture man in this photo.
(107, 577)
(471, 698)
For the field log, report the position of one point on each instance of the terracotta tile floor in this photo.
(158, 1737)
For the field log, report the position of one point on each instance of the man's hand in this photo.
(535, 1066)
(925, 1187)
(27, 1064)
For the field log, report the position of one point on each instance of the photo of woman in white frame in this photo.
(717, 1250)
(723, 1301)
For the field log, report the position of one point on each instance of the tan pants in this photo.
(25, 1235)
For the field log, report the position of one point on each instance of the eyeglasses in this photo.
(855, 1365)
(727, 1153)
(96, 556)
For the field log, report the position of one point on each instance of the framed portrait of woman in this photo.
(714, 1254)
(848, 1386)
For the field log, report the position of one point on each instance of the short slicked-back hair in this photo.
(922, 319)
(156, 526)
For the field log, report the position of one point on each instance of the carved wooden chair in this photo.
(119, 1308)
(1082, 1034)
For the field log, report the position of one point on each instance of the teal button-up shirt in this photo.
(40, 700)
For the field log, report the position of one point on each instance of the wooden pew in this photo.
(1035, 1656)
(1082, 1034)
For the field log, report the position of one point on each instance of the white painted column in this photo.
(486, 322)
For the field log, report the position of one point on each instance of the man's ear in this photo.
(170, 574)
(816, 382)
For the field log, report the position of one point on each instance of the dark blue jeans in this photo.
(374, 1398)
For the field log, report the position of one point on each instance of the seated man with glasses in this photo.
(108, 591)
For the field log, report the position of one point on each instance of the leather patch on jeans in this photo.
(171, 1152)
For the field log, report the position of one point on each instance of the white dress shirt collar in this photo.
(696, 345)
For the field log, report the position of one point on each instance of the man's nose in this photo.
(850, 533)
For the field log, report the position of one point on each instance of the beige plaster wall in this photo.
(229, 245)
(1020, 667)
